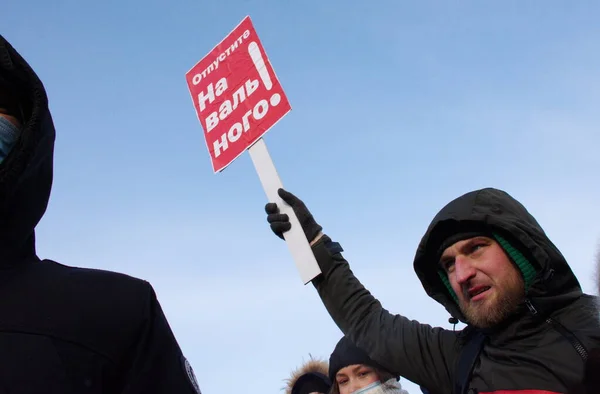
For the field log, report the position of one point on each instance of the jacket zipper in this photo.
(561, 330)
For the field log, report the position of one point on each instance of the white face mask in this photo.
(392, 386)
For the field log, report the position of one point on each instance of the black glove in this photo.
(280, 222)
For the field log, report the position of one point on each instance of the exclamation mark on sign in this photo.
(259, 63)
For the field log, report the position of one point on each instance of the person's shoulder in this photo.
(110, 286)
(96, 273)
(584, 305)
(101, 310)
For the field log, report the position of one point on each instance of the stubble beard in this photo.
(504, 302)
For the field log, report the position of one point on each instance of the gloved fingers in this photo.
(278, 218)
(289, 198)
(271, 208)
(280, 227)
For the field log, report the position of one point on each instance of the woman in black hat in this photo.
(352, 371)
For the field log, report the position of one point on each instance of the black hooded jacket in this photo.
(63, 329)
(526, 352)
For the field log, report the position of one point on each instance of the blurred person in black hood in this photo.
(65, 329)
(590, 382)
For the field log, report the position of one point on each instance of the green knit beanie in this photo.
(526, 268)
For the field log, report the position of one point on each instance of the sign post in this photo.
(238, 98)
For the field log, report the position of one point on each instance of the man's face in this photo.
(488, 285)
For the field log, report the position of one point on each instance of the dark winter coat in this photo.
(526, 352)
(62, 329)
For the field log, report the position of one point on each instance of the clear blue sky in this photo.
(398, 107)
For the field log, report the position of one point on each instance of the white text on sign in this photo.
(235, 131)
(226, 107)
(198, 77)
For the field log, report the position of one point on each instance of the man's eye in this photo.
(477, 247)
(449, 265)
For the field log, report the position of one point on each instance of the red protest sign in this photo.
(236, 95)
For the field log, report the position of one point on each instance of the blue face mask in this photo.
(370, 388)
(392, 386)
(9, 134)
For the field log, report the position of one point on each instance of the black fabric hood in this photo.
(495, 210)
(26, 173)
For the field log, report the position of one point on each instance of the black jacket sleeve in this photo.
(156, 363)
(418, 352)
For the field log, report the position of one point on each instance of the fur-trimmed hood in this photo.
(311, 366)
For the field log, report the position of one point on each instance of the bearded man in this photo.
(486, 259)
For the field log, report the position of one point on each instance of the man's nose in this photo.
(464, 269)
